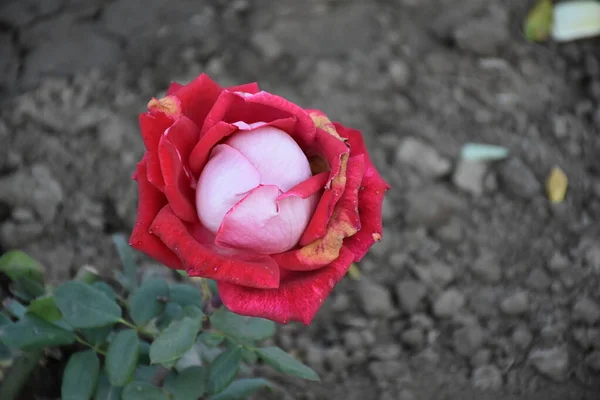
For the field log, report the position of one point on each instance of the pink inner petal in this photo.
(226, 179)
(276, 156)
(265, 225)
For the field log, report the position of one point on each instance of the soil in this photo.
(481, 288)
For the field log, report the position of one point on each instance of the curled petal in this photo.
(208, 261)
(251, 88)
(344, 223)
(150, 202)
(197, 98)
(298, 298)
(263, 224)
(370, 198)
(307, 188)
(152, 126)
(226, 179)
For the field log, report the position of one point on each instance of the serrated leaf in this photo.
(285, 363)
(556, 185)
(185, 295)
(148, 301)
(32, 332)
(576, 20)
(45, 308)
(84, 306)
(212, 339)
(80, 376)
(122, 357)
(188, 384)
(242, 389)
(127, 256)
(223, 370)
(143, 391)
(106, 391)
(538, 24)
(174, 341)
(239, 327)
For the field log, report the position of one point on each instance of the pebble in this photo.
(468, 340)
(470, 176)
(448, 303)
(413, 338)
(558, 262)
(593, 360)
(399, 72)
(431, 206)
(586, 310)
(376, 299)
(522, 337)
(484, 36)
(487, 377)
(435, 274)
(268, 45)
(484, 302)
(353, 339)
(518, 179)
(14, 235)
(553, 363)
(422, 157)
(538, 279)
(516, 303)
(337, 359)
(487, 268)
(315, 357)
(410, 294)
(481, 357)
(386, 352)
(452, 232)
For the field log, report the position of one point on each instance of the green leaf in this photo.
(27, 289)
(186, 295)
(286, 364)
(45, 307)
(174, 341)
(5, 320)
(80, 376)
(32, 332)
(106, 289)
(18, 265)
(538, 23)
(127, 256)
(97, 336)
(106, 391)
(143, 391)
(224, 369)
(243, 389)
(145, 373)
(170, 313)
(239, 327)
(148, 301)
(188, 384)
(122, 357)
(192, 312)
(211, 339)
(84, 306)
(15, 308)
(144, 357)
(249, 356)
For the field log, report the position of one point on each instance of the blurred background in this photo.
(482, 288)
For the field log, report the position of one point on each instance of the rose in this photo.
(272, 201)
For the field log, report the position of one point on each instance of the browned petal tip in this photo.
(168, 105)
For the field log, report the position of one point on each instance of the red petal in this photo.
(253, 270)
(173, 87)
(344, 223)
(307, 188)
(173, 151)
(298, 298)
(152, 125)
(198, 97)
(370, 198)
(150, 202)
(251, 88)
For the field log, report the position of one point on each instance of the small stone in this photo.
(405, 394)
(448, 303)
(467, 340)
(452, 232)
(593, 360)
(337, 359)
(538, 279)
(553, 363)
(353, 340)
(435, 274)
(518, 179)
(487, 268)
(315, 357)
(484, 302)
(522, 337)
(376, 299)
(340, 302)
(386, 352)
(431, 206)
(413, 338)
(484, 37)
(558, 262)
(422, 321)
(14, 235)
(470, 176)
(515, 304)
(368, 337)
(410, 293)
(22, 214)
(399, 72)
(487, 377)
(422, 157)
(268, 45)
(586, 310)
(481, 357)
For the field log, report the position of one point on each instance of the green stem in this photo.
(19, 374)
(206, 292)
(93, 347)
(140, 330)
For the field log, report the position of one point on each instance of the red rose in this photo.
(272, 201)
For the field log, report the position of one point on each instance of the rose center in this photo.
(239, 193)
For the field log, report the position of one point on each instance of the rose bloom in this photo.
(272, 201)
